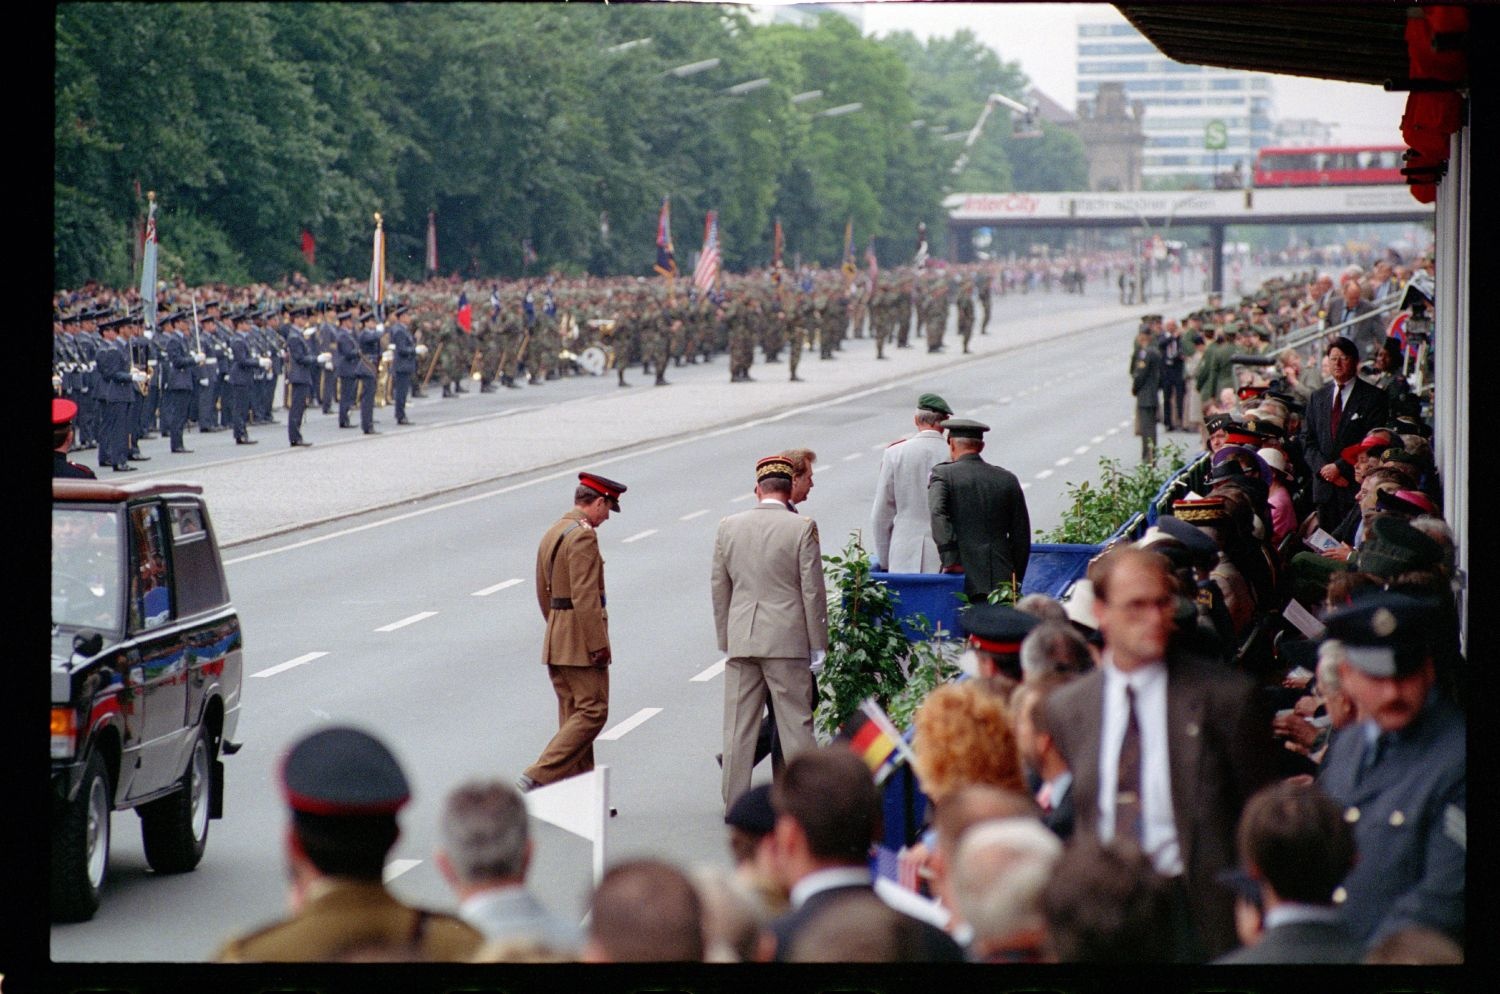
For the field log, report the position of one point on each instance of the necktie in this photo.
(1044, 798)
(1128, 782)
(1338, 409)
(1373, 752)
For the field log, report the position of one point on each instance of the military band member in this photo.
(404, 367)
(243, 367)
(343, 788)
(346, 365)
(179, 367)
(116, 388)
(369, 362)
(304, 366)
(576, 649)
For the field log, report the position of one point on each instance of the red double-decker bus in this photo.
(1362, 165)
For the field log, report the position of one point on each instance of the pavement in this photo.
(279, 489)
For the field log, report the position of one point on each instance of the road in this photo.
(419, 622)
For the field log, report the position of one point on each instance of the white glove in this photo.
(388, 355)
(380, 326)
(421, 350)
(138, 376)
(210, 361)
(819, 656)
(90, 367)
(56, 382)
(199, 357)
(150, 363)
(328, 364)
(325, 358)
(265, 362)
(309, 331)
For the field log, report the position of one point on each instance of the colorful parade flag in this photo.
(871, 262)
(432, 259)
(666, 260)
(377, 271)
(309, 248)
(465, 315)
(849, 266)
(706, 272)
(148, 266)
(872, 736)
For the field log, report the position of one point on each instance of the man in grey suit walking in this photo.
(771, 615)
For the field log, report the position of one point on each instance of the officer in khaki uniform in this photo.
(570, 592)
(344, 788)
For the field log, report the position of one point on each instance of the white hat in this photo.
(1079, 603)
(1274, 458)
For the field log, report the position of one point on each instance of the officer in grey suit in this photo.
(177, 389)
(1399, 773)
(979, 517)
(900, 523)
(116, 389)
(771, 614)
(346, 365)
(404, 366)
(369, 362)
(244, 364)
(303, 366)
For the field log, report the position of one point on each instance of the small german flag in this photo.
(874, 738)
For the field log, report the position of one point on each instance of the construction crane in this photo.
(1028, 117)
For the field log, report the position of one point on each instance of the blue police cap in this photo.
(1385, 634)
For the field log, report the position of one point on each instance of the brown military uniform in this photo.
(570, 593)
(346, 917)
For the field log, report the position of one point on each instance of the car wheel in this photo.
(80, 847)
(174, 830)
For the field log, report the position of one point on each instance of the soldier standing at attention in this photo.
(347, 365)
(570, 592)
(303, 365)
(404, 366)
(1145, 384)
(344, 788)
(979, 517)
(369, 362)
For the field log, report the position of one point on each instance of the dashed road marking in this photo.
(420, 616)
(711, 672)
(1113, 431)
(629, 724)
(742, 498)
(694, 514)
(496, 588)
(1005, 400)
(1097, 439)
(1080, 450)
(1026, 485)
(282, 667)
(638, 536)
(852, 456)
(1044, 474)
(1063, 461)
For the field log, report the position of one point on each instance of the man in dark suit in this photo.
(979, 517)
(177, 387)
(1165, 747)
(1045, 765)
(1366, 332)
(1339, 413)
(1399, 775)
(827, 817)
(1295, 844)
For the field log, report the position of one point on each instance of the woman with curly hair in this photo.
(964, 736)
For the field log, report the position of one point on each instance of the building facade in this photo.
(1179, 101)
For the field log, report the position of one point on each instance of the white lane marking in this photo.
(742, 498)
(695, 514)
(850, 457)
(823, 467)
(282, 667)
(638, 536)
(1005, 400)
(880, 445)
(711, 672)
(1113, 431)
(1063, 461)
(1125, 423)
(629, 724)
(1080, 450)
(420, 616)
(1097, 439)
(496, 588)
(1026, 485)
(396, 867)
(1044, 474)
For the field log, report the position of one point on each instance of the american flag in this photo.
(706, 273)
(432, 259)
(377, 270)
(666, 261)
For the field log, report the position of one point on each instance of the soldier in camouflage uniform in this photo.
(743, 322)
(985, 278)
(773, 329)
(965, 311)
(910, 311)
(794, 320)
(487, 340)
(935, 316)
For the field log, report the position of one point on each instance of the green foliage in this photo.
(254, 121)
(868, 653)
(1098, 510)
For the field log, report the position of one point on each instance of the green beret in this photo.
(932, 402)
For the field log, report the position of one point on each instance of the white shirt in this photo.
(821, 880)
(1342, 393)
(1158, 827)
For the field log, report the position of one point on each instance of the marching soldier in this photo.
(965, 312)
(326, 341)
(985, 280)
(116, 384)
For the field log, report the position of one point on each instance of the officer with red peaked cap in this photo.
(63, 413)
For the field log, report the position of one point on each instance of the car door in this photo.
(156, 659)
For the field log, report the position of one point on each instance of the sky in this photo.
(1042, 38)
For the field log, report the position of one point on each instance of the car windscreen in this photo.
(86, 568)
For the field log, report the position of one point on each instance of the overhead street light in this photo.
(626, 46)
(806, 95)
(749, 86)
(841, 110)
(692, 68)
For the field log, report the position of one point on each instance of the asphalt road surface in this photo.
(420, 622)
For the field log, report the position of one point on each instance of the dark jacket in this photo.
(979, 522)
(936, 946)
(1366, 408)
